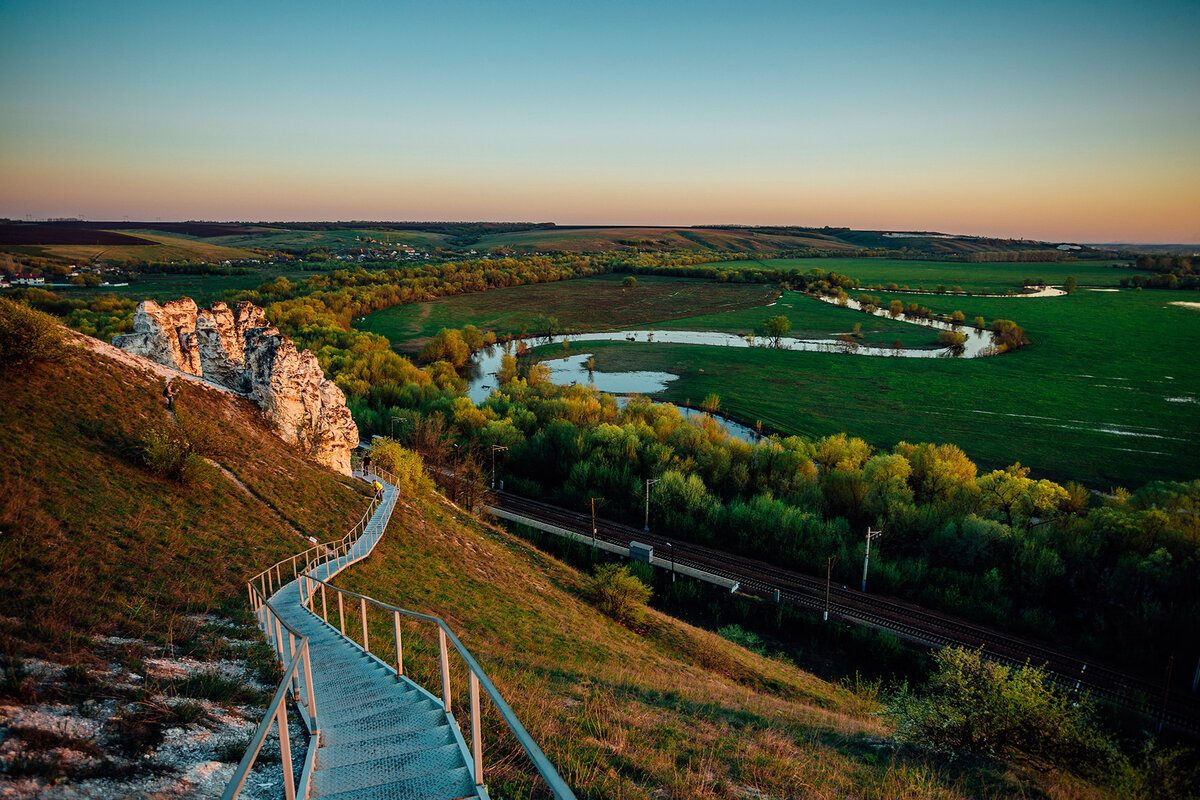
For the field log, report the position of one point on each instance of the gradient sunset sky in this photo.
(1057, 121)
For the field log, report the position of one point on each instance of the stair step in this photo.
(446, 785)
(381, 736)
(330, 757)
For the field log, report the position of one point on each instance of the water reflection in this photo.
(571, 369)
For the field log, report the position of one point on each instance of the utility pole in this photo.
(828, 573)
(672, 546)
(867, 558)
(649, 482)
(594, 499)
(1162, 716)
(495, 447)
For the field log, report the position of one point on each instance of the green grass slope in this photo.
(93, 543)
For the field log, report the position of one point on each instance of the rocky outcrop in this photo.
(239, 350)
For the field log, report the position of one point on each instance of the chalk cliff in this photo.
(240, 350)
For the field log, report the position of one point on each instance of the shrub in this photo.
(618, 594)
(747, 639)
(171, 455)
(977, 706)
(404, 464)
(28, 337)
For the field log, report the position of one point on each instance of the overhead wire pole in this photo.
(867, 558)
(594, 499)
(828, 574)
(495, 447)
(649, 482)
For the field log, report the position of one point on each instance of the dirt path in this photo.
(259, 499)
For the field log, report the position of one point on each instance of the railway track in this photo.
(914, 623)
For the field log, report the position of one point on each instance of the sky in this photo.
(1046, 120)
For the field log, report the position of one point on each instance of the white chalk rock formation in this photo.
(240, 350)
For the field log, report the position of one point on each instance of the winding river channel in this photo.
(573, 369)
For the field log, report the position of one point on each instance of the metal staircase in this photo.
(374, 733)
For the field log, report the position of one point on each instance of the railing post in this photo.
(295, 574)
(295, 677)
(445, 668)
(362, 607)
(270, 590)
(308, 686)
(268, 625)
(399, 647)
(324, 605)
(285, 752)
(476, 737)
(341, 614)
(279, 634)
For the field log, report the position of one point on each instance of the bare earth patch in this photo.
(1186, 304)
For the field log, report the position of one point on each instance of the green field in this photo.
(809, 320)
(996, 277)
(202, 288)
(600, 303)
(1108, 391)
(275, 238)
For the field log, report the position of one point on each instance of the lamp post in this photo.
(649, 482)
(672, 546)
(866, 559)
(495, 447)
(393, 425)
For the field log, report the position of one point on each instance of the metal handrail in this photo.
(477, 677)
(265, 583)
(260, 587)
(276, 713)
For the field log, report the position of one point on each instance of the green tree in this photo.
(1069, 287)
(776, 328)
(629, 282)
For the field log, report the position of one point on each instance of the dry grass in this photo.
(92, 543)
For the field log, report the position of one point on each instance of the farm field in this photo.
(600, 303)
(204, 289)
(1103, 394)
(994, 277)
(602, 239)
(161, 247)
(271, 238)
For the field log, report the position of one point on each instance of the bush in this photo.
(28, 337)
(618, 594)
(977, 706)
(747, 639)
(404, 464)
(170, 455)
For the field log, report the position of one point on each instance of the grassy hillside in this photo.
(663, 709)
(95, 544)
